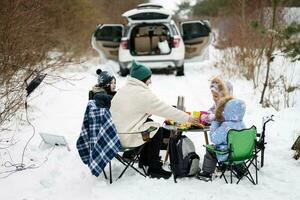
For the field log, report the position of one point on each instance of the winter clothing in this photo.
(158, 172)
(104, 78)
(205, 176)
(139, 71)
(209, 166)
(211, 114)
(100, 96)
(102, 92)
(218, 86)
(233, 112)
(229, 88)
(209, 162)
(131, 107)
(98, 142)
(149, 155)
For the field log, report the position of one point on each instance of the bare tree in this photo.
(270, 50)
(24, 48)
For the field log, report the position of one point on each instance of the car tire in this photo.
(123, 72)
(180, 71)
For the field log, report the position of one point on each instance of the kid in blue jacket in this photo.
(229, 115)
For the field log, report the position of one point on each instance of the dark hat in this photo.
(104, 78)
(139, 71)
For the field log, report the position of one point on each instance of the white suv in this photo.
(151, 37)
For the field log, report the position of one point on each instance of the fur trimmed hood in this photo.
(230, 109)
(217, 85)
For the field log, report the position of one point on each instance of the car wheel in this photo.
(123, 71)
(180, 71)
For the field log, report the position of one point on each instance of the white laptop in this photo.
(54, 140)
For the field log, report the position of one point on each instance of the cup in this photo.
(180, 103)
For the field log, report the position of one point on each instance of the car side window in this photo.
(109, 33)
(192, 30)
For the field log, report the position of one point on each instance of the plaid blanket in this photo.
(98, 142)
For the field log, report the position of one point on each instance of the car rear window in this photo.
(148, 16)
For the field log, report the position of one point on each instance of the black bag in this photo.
(184, 161)
(165, 139)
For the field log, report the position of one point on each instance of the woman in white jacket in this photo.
(131, 108)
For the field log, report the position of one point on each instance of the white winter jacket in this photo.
(131, 107)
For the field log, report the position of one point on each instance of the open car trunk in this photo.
(150, 39)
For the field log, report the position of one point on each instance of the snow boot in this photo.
(204, 176)
(158, 173)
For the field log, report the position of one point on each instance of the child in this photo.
(218, 90)
(103, 92)
(229, 115)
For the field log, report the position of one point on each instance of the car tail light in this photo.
(175, 42)
(124, 44)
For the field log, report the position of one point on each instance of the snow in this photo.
(292, 14)
(59, 109)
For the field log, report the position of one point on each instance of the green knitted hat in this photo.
(139, 71)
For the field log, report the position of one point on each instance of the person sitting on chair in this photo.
(229, 115)
(219, 89)
(104, 90)
(98, 142)
(131, 108)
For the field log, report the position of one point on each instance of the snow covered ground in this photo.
(62, 175)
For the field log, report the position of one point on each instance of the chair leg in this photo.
(131, 163)
(110, 174)
(251, 178)
(256, 169)
(126, 166)
(104, 174)
(143, 168)
(231, 174)
(223, 174)
(247, 174)
(134, 160)
(255, 156)
(262, 153)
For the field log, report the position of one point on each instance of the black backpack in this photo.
(184, 161)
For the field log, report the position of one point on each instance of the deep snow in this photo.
(62, 175)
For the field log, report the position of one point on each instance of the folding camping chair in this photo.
(261, 140)
(136, 152)
(127, 162)
(242, 152)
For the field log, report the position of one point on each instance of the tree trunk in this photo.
(270, 51)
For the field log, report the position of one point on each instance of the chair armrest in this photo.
(213, 149)
(145, 134)
(150, 129)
